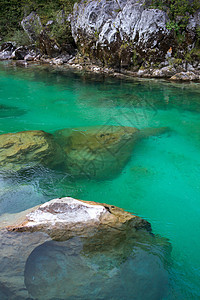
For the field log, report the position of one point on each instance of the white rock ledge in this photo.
(64, 218)
(65, 210)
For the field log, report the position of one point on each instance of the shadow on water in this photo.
(9, 111)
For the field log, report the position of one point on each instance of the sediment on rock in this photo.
(67, 217)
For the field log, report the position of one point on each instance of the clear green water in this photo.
(161, 183)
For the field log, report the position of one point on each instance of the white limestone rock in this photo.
(64, 218)
(128, 23)
(65, 210)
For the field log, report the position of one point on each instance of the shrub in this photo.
(20, 38)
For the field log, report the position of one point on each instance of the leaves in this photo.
(13, 11)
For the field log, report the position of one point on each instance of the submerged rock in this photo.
(97, 246)
(28, 149)
(65, 270)
(97, 152)
(98, 251)
(14, 251)
(100, 151)
(67, 217)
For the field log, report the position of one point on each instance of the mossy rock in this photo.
(28, 149)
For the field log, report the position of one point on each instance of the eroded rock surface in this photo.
(67, 217)
(28, 149)
(6, 50)
(113, 31)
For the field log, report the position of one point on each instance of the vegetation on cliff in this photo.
(13, 11)
(104, 34)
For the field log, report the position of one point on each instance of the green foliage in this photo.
(96, 34)
(134, 58)
(13, 11)
(177, 7)
(195, 52)
(61, 32)
(179, 11)
(172, 25)
(20, 38)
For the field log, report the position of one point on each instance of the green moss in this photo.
(134, 58)
(178, 61)
(96, 34)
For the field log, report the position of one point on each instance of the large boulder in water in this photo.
(64, 218)
(28, 149)
(98, 251)
(100, 151)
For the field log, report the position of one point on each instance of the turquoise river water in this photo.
(160, 183)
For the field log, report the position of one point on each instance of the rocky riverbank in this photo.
(172, 71)
(100, 38)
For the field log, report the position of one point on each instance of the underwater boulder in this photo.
(98, 251)
(97, 152)
(100, 151)
(28, 149)
(86, 250)
(62, 270)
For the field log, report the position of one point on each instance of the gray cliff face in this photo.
(32, 26)
(113, 31)
(193, 25)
